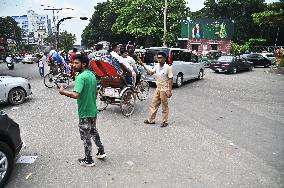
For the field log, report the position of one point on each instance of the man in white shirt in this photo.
(163, 91)
(123, 64)
(127, 61)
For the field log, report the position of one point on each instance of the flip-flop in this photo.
(148, 122)
(164, 124)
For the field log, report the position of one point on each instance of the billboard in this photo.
(207, 28)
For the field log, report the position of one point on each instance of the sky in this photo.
(83, 8)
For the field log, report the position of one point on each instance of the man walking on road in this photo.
(163, 91)
(85, 93)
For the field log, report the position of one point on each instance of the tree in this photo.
(10, 30)
(271, 22)
(66, 40)
(144, 18)
(100, 26)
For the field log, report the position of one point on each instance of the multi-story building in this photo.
(35, 27)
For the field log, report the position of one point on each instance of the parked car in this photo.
(270, 56)
(30, 59)
(258, 60)
(206, 61)
(231, 64)
(184, 63)
(10, 145)
(14, 89)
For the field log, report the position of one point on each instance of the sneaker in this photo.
(101, 155)
(85, 162)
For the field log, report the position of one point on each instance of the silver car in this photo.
(184, 63)
(14, 89)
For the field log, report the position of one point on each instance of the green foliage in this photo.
(125, 20)
(273, 15)
(238, 49)
(66, 40)
(281, 64)
(9, 29)
(144, 18)
(100, 26)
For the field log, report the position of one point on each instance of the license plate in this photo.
(111, 92)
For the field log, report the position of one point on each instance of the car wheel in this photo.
(16, 96)
(200, 74)
(179, 80)
(250, 68)
(6, 163)
(234, 70)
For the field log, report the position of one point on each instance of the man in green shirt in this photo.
(85, 92)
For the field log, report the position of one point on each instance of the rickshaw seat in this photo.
(108, 69)
(97, 70)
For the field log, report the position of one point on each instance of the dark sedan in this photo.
(10, 146)
(259, 60)
(231, 64)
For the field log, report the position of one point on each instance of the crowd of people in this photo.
(124, 61)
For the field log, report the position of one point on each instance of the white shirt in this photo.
(126, 63)
(118, 57)
(40, 63)
(9, 59)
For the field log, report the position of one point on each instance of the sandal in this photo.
(148, 122)
(164, 124)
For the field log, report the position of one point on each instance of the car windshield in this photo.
(270, 55)
(150, 55)
(225, 59)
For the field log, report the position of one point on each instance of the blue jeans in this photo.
(41, 71)
(128, 78)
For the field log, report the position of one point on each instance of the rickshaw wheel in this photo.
(101, 100)
(127, 103)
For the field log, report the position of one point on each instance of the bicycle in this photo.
(56, 77)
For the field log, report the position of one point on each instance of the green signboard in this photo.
(207, 28)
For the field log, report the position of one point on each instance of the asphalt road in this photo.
(225, 131)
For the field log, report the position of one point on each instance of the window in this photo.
(214, 46)
(194, 47)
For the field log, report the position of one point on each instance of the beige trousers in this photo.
(159, 98)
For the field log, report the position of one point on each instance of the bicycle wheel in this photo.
(142, 90)
(62, 79)
(127, 102)
(49, 80)
(101, 100)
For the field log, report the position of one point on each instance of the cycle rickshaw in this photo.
(113, 89)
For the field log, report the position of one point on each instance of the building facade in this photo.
(35, 27)
(205, 35)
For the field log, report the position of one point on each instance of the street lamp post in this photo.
(58, 24)
(165, 23)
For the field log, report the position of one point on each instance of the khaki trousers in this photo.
(159, 98)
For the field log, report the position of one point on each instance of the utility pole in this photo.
(165, 23)
(53, 9)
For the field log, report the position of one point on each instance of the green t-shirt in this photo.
(86, 86)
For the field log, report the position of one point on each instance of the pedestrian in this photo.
(163, 91)
(85, 93)
(72, 56)
(41, 67)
